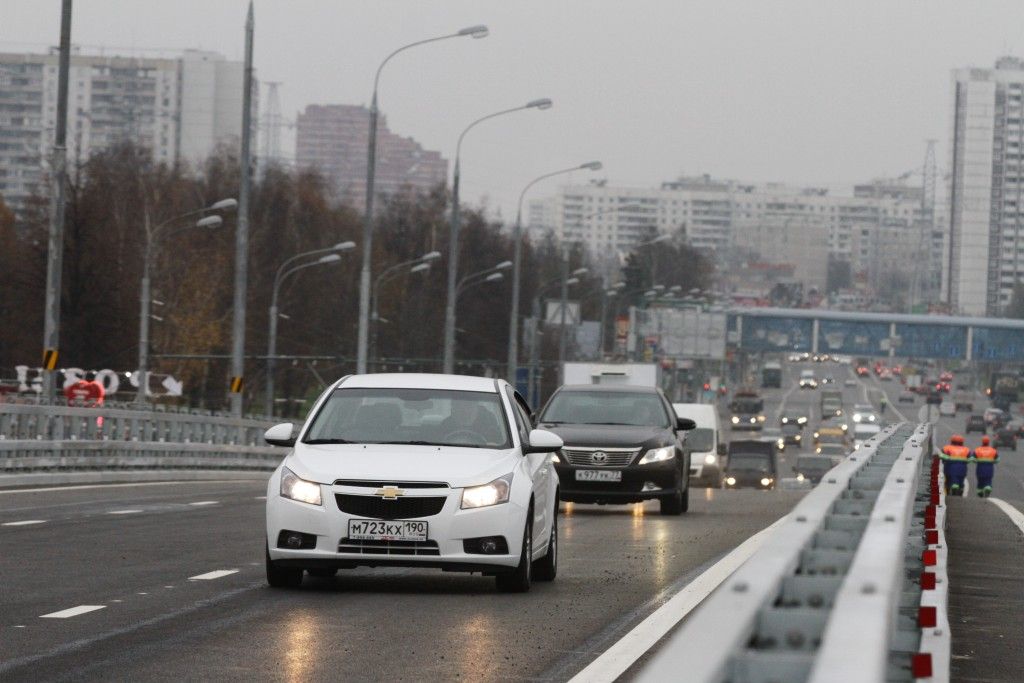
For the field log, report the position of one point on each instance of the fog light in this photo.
(295, 540)
(486, 545)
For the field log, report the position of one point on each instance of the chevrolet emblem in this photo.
(389, 492)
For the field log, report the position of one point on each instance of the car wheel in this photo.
(282, 577)
(518, 580)
(678, 503)
(546, 568)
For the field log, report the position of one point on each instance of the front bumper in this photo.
(639, 482)
(443, 549)
(745, 483)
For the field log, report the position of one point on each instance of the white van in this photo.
(705, 443)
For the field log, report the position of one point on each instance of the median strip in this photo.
(72, 612)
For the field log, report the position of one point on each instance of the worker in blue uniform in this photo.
(955, 457)
(985, 459)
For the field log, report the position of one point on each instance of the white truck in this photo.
(630, 374)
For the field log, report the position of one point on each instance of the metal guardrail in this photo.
(835, 593)
(45, 438)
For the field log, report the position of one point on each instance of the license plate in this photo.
(598, 475)
(381, 530)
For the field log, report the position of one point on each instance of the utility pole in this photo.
(242, 231)
(58, 198)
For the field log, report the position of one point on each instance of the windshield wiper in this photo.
(323, 441)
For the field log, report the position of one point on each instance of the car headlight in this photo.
(710, 459)
(845, 427)
(871, 418)
(781, 443)
(657, 455)
(800, 477)
(735, 420)
(802, 420)
(816, 435)
(731, 481)
(299, 489)
(492, 493)
(555, 458)
(785, 420)
(797, 438)
(765, 481)
(760, 418)
(857, 417)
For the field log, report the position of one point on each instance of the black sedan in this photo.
(623, 444)
(751, 464)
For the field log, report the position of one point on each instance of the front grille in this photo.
(407, 507)
(376, 484)
(613, 457)
(420, 548)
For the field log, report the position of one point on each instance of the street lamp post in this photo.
(145, 296)
(362, 346)
(331, 255)
(453, 238)
(415, 265)
(562, 337)
(534, 342)
(517, 240)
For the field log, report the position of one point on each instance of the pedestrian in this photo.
(955, 457)
(985, 459)
(882, 405)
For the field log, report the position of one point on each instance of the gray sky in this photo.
(805, 91)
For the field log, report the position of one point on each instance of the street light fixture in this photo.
(327, 256)
(152, 237)
(517, 241)
(362, 344)
(387, 274)
(453, 239)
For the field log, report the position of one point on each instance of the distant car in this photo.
(864, 412)
(975, 423)
(828, 379)
(906, 397)
(862, 371)
(751, 464)
(947, 409)
(812, 467)
(1005, 438)
(807, 380)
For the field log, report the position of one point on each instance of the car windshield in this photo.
(430, 417)
(750, 461)
(747, 405)
(701, 439)
(606, 408)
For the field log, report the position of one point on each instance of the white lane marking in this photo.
(142, 593)
(123, 512)
(1013, 513)
(261, 497)
(81, 487)
(614, 661)
(168, 586)
(216, 574)
(115, 601)
(72, 612)
(203, 502)
(24, 522)
(19, 626)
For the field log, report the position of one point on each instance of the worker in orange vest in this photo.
(985, 459)
(955, 457)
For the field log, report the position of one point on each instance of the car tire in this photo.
(282, 577)
(679, 503)
(546, 568)
(519, 579)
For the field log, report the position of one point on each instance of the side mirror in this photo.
(280, 435)
(543, 441)
(722, 449)
(685, 424)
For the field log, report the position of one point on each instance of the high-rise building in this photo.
(882, 226)
(180, 109)
(333, 139)
(986, 245)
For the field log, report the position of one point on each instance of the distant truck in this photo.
(831, 402)
(771, 375)
(630, 374)
(1005, 389)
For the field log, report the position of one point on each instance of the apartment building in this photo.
(179, 108)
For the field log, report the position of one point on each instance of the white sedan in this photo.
(415, 470)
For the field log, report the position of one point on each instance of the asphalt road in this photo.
(165, 582)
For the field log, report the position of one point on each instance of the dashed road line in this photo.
(216, 574)
(200, 503)
(82, 487)
(24, 522)
(72, 612)
(123, 512)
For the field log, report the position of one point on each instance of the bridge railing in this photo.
(53, 437)
(836, 593)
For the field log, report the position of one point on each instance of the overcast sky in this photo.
(803, 91)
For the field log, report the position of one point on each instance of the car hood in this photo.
(457, 467)
(610, 436)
